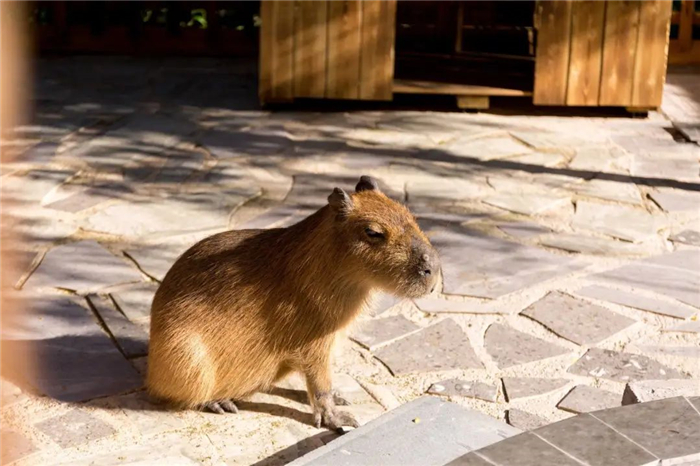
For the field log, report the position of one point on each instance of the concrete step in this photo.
(426, 431)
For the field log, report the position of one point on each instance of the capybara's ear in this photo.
(366, 183)
(340, 201)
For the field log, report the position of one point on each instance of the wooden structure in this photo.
(582, 53)
(685, 35)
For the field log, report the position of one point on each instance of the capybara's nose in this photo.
(429, 265)
(425, 266)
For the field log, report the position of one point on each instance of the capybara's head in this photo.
(384, 242)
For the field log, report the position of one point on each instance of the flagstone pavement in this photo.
(570, 249)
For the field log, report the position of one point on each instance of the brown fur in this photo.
(241, 309)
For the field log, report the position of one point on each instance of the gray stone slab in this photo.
(573, 242)
(437, 306)
(83, 266)
(672, 200)
(273, 218)
(440, 347)
(547, 141)
(527, 204)
(523, 387)
(677, 351)
(156, 260)
(487, 148)
(521, 450)
(584, 399)
(478, 265)
(64, 354)
(592, 442)
(431, 216)
(622, 367)
(39, 154)
(636, 301)
(524, 420)
(667, 428)
(523, 230)
(465, 388)
(442, 189)
(675, 167)
(379, 332)
(542, 159)
(610, 190)
(687, 260)
(650, 390)
(508, 347)
(135, 301)
(74, 428)
(172, 215)
(686, 237)
(410, 434)
(689, 130)
(15, 446)
(131, 338)
(690, 326)
(683, 285)
(470, 459)
(579, 321)
(621, 222)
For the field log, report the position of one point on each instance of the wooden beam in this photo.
(310, 41)
(619, 50)
(403, 86)
(344, 49)
(587, 22)
(553, 23)
(652, 52)
(377, 51)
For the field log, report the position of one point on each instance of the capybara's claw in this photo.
(334, 419)
(339, 400)
(221, 407)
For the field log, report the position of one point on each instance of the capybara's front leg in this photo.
(321, 395)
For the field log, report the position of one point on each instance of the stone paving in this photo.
(569, 247)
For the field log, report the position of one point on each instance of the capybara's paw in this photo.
(221, 407)
(339, 400)
(334, 419)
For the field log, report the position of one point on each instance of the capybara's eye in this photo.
(373, 233)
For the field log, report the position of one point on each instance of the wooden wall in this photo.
(684, 48)
(327, 49)
(610, 53)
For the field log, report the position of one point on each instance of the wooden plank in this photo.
(276, 51)
(685, 25)
(404, 86)
(377, 53)
(652, 52)
(552, 62)
(344, 49)
(310, 35)
(619, 47)
(265, 55)
(586, 52)
(473, 102)
(676, 57)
